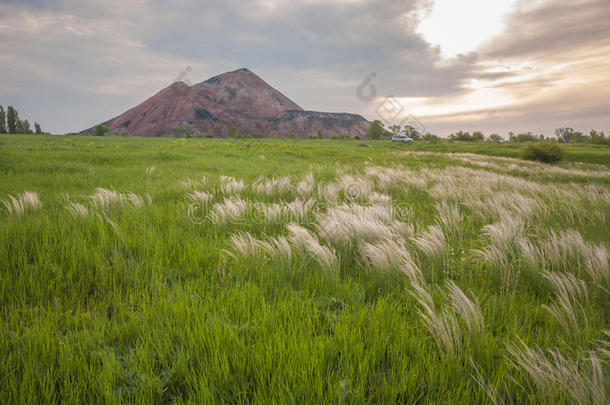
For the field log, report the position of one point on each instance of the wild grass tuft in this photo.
(230, 185)
(570, 293)
(230, 210)
(26, 201)
(431, 242)
(580, 380)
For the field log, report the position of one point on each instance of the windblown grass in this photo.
(197, 271)
(25, 201)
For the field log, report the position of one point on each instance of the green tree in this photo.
(100, 130)
(564, 134)
(376, 130)
(24, 127)
(395, 130)
(461, 136)
(598, 138)
(12, 119)
(412, 132)
(3, 129)
(478, 136)
(37, 128)
(579, 137)
(524, 137)
(495, 138)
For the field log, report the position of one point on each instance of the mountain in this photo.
(240, 98)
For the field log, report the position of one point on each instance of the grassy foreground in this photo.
(275, 271)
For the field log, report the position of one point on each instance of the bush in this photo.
(100, 130)
(184, 131)
(544, 151)
(342, 137)
(232, 131)
(428, 137)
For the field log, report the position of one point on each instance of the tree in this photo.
(524, 137)
(37, 128)
(495, 138)
(578, 137)
(376, 130)
(478, 136)
(24, 127)
(2, 121)
(564, 134)
(461, 136)
(412, 132)
(598, 138)
(395, 130)
(12, 119)
(100, 130)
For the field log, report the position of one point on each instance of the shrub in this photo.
(342, 137)
(428, 137)
(525, 137)
(184, 131)
(544, 151)
(232, 131)
(100, 130)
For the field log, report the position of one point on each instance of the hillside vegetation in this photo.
(301, 271)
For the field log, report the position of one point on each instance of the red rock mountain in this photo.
(240, 98)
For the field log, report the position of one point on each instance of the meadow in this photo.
(301, 271)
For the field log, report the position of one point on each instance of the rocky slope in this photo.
(240, 98)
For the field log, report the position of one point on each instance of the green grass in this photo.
(141, 305)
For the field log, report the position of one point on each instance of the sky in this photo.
(440, 65)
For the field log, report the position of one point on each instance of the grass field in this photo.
(292, 271)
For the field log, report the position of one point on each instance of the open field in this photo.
(291, 271)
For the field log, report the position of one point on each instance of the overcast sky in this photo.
(495, 65)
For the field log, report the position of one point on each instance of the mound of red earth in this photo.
(240, 98)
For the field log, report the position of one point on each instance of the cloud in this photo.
(70, 64)
(551, 63)
(552, 29)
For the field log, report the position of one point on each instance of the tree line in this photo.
(378, 131)
(10, 123)
(562, 135)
